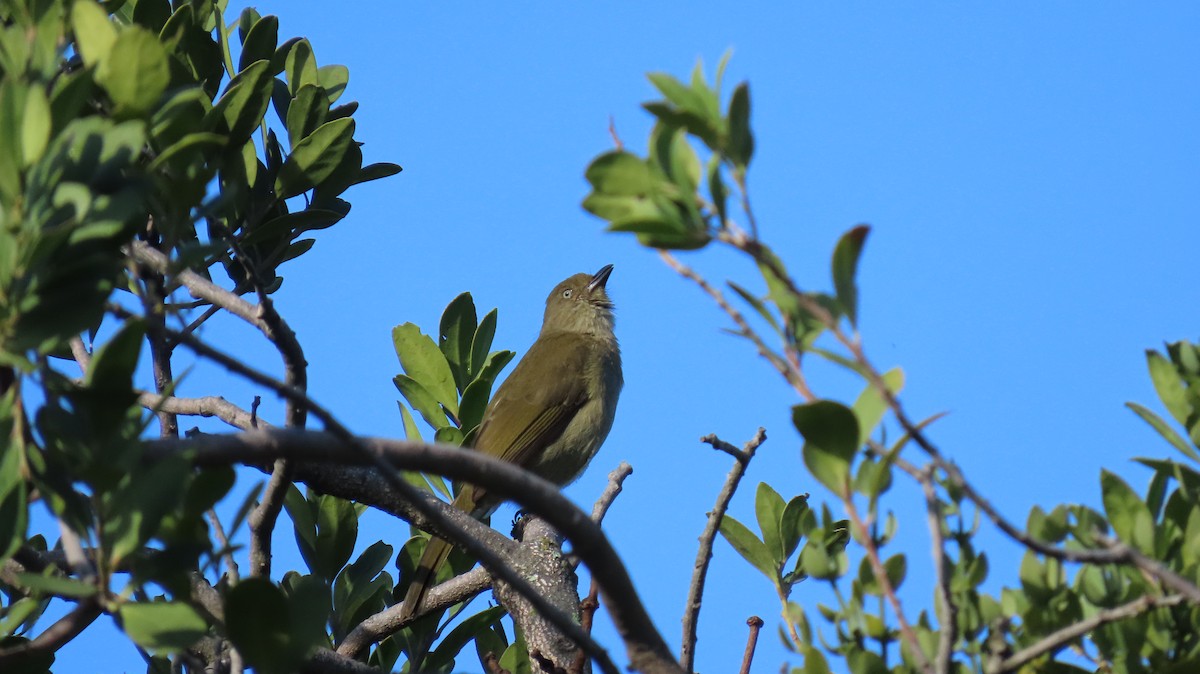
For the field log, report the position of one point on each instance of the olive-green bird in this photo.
(550, 415)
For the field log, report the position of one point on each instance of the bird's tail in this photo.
(434, 557)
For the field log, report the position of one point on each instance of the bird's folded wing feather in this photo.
(545, 410)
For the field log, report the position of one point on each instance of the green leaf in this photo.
(260, 41)
(333, 79)
(135, 73)
(35, 126)
(114, 363)
(301, 66)
(257, 622)
(749, 547)
(456, 330)
(831, 435)
(1129, 515)
(741, 140)
(481, 342)
(376, 171)
(421, 400)
(337, 530)
(315, 158)
(1169, 386)
(245, 101)
(60, 586)
(425, 363)
(411, 432)
(845, 266)
(453, 643)
(870, 407)
(136, 508)
(94, 33)
(474, 404)
(306, 112)
(162, 627)
(791, 524)
(620, 173)
(768, 508)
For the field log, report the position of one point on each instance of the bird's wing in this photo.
(546, 409)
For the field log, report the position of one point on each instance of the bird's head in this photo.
(580, 304)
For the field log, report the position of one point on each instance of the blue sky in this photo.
(1029, 170)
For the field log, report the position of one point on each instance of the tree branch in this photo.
(691, 612)
(53, 637)
(646, 650)
(1060, 638)
(947, 611)
(791, 374)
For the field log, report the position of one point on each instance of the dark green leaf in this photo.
(245, 101)
(791, 524)
(455, 332)
(831, 435)
(845, 267)
(741, 139)
(307, 111)
(315, 158)
(260, 41)
(481, 342)
(337, 530)
(256, 621)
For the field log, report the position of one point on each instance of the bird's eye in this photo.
(567, 293)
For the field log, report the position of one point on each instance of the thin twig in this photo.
(906, 630)
(231, 566)
(793, 376)
(755, 624)
(1059, 639)
(53, 637)
(616, 479)
(587, 613)
(947, 611)
(691, 611)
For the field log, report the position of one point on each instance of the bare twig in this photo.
(755, 624)
(231, 566)
(616, 479)
(53, 637)
(587, 614)
(793, 376)
(691, 612)
(1059, 639)
(947, 611)
(262, 519)
(906, 630)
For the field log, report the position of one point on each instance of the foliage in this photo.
(1114, 591)
(153, 148)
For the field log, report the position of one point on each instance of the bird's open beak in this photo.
(600, 278)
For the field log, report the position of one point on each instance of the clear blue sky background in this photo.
(1030, 172)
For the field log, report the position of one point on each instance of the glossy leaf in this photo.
(315, 158)
(456, 330)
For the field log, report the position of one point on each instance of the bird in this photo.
(552, 414)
